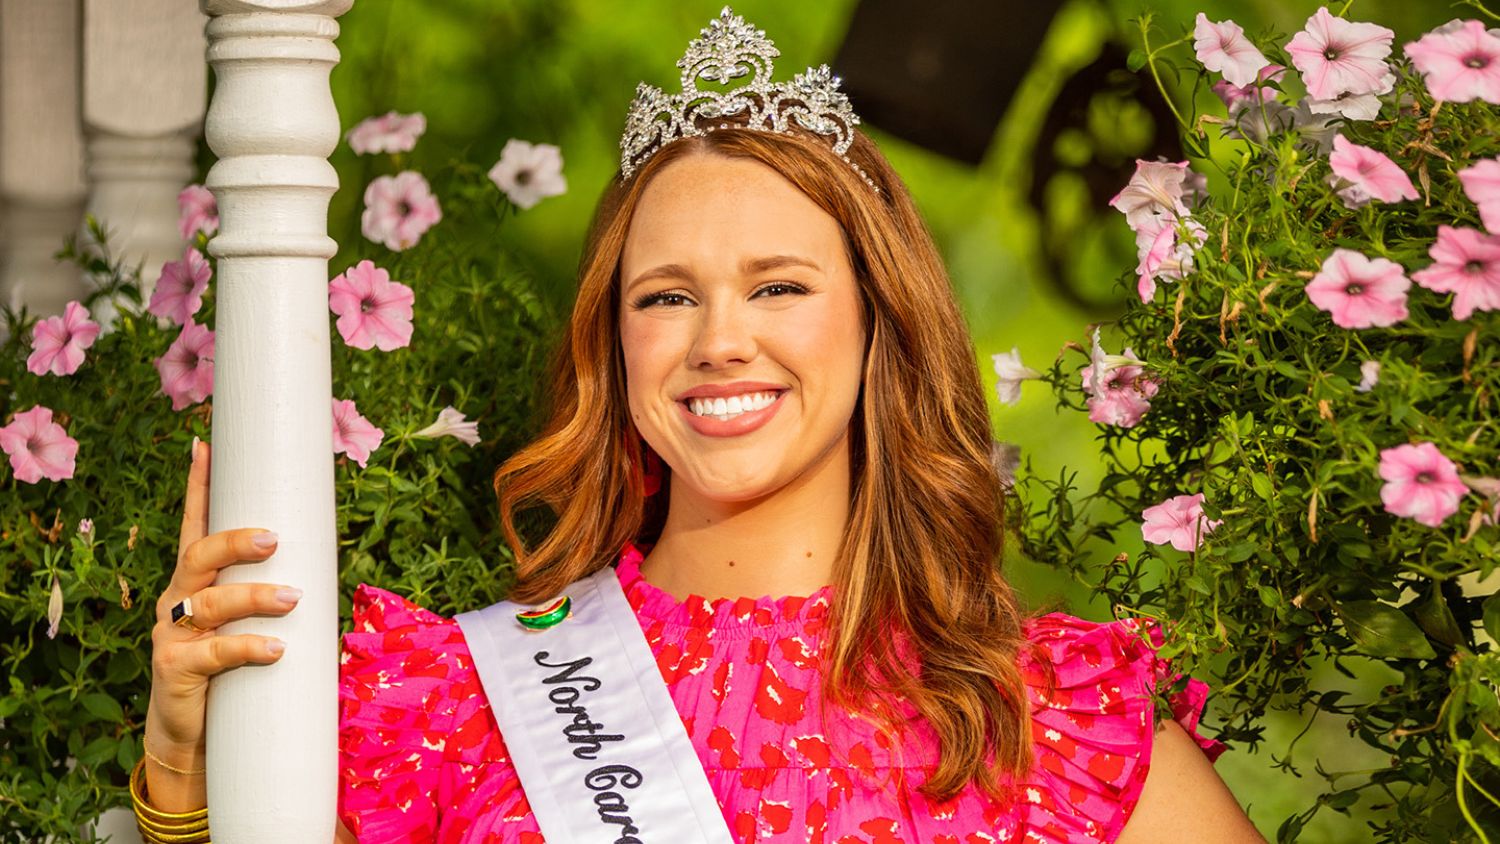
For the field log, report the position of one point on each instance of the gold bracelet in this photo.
(158, 827)
(158, 760)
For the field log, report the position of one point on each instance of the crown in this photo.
(729, 48)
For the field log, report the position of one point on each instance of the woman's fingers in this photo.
(215, 605)
(200, 562)
(194, 661)
(195, 504)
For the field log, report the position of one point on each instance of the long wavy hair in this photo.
(919, 559)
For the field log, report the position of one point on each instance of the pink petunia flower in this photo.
(1369, 376)
(528, 173)
(1163, 256)
(1482, 185)
(1119, 392)
(197, 211)
(1361, 106)
(179, 289)
(58, 342)
(372, 309)
(187, 368)
(353, 434)
(1252, 93)
(1420, 483)
(1179, 521)
(1223, 47)
(1155, 190)
(86, 529)
(38, 447)
(1010, 373)
(1467, 264)
(451, 423)
(1460, 61)
(1338, 56)
(398, 210)
(389, 132)
(1360, 292)
(1363, 174)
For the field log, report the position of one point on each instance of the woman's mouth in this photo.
(733, 415)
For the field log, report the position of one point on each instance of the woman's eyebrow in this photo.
(753, 266)
(663, 271)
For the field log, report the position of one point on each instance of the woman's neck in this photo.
(782, 544)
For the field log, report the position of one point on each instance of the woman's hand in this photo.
(182, 659)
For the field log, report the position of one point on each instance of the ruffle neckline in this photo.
(766, 612)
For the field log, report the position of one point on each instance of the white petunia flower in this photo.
(529, 173)
(1008, 366)
(451, 423)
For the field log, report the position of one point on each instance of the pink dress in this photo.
(421, 759)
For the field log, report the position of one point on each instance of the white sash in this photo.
(592, 731)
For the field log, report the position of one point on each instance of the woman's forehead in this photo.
(726, 212)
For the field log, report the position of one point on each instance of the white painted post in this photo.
(41, 152)
(144, 90)
(273, 730)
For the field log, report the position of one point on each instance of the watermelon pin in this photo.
(547, 616)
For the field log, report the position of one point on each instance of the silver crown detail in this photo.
(729, 48)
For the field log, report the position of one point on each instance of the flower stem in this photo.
(1463, 805)
(1483, 10)
(1151, 63)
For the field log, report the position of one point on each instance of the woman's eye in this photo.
(670, 300)
(781, 288)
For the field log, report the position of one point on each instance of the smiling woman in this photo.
(770, 606)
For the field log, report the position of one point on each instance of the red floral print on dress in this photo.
(421, 760)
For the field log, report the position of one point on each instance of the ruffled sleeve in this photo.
(396, 706)
(1093, 722)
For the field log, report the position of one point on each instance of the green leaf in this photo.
(104, 707)
(1492, 616)
(1437, 619)
(1383, 631)
(1262, 486)
(1136, 60)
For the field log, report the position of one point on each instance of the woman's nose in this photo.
(724, 338)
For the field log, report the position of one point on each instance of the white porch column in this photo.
(41, 152)
(144, 90)
(273, 730)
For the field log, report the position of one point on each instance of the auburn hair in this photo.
(919, 559)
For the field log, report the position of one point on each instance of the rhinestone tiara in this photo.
(729, 48)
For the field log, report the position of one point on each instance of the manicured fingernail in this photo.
(264, 539)
(194, 451)
(288, 595)
(276, 646)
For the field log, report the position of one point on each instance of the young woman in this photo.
(769, 417)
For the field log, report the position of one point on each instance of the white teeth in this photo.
(731, 407)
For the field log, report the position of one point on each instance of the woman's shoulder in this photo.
(1093, 695)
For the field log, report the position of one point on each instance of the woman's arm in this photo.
(342, 835)
(1183, 798)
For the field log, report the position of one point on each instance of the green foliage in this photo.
(1258, 410)
(420, 520)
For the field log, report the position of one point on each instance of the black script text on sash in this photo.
(569, 686)
(612, 808)
(583, 731)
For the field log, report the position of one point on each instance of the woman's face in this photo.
(740, 321)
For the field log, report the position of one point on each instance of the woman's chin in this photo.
(730, 489)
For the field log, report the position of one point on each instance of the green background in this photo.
(484, 71)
